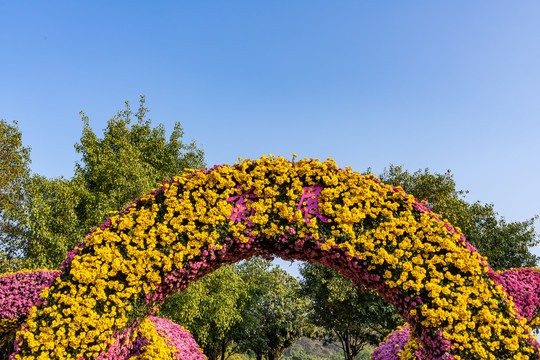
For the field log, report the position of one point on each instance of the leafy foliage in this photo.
(300, 354)
(52, 221)
(346, 315)
(276, 315)
(128, 161)
(43, 218)
(14, 172)
(211, 310)
(249, 308)
(313, 349)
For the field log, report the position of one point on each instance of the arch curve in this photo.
(308, 210)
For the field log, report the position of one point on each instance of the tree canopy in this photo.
(14, 173)
(54, 214)
(128, 161)
(276, 314)
(346, 315)
(251, 308)
(211, 309)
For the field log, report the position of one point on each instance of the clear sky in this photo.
(423, 84)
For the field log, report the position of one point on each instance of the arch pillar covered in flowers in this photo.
(156, 338)
(308, 210)
(522, 284)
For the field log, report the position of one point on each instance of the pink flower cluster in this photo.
(71, 254)
(178, 338)
(524, 286)
(20, 291)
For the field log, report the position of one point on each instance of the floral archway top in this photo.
(371, 232)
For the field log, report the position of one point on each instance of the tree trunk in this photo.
(275, 355)
(223, 349)
(348, 350)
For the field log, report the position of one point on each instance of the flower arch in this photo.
(308, 210)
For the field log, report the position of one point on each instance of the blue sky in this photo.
(423, 84)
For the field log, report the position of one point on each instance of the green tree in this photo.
(349, 316)
(127, 162)
(14, 174)
(211, 309)
(505, 244)
(249, 308)
(275, 316)
(52, 221)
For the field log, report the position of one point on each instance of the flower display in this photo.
(162, 339)
(392, 347)
(156, 338)
(373, 233)
(522, 284)
(18, 293)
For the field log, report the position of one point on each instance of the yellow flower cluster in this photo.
(157, 349)
(161, 339)
(408, 352)
(105, 287)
